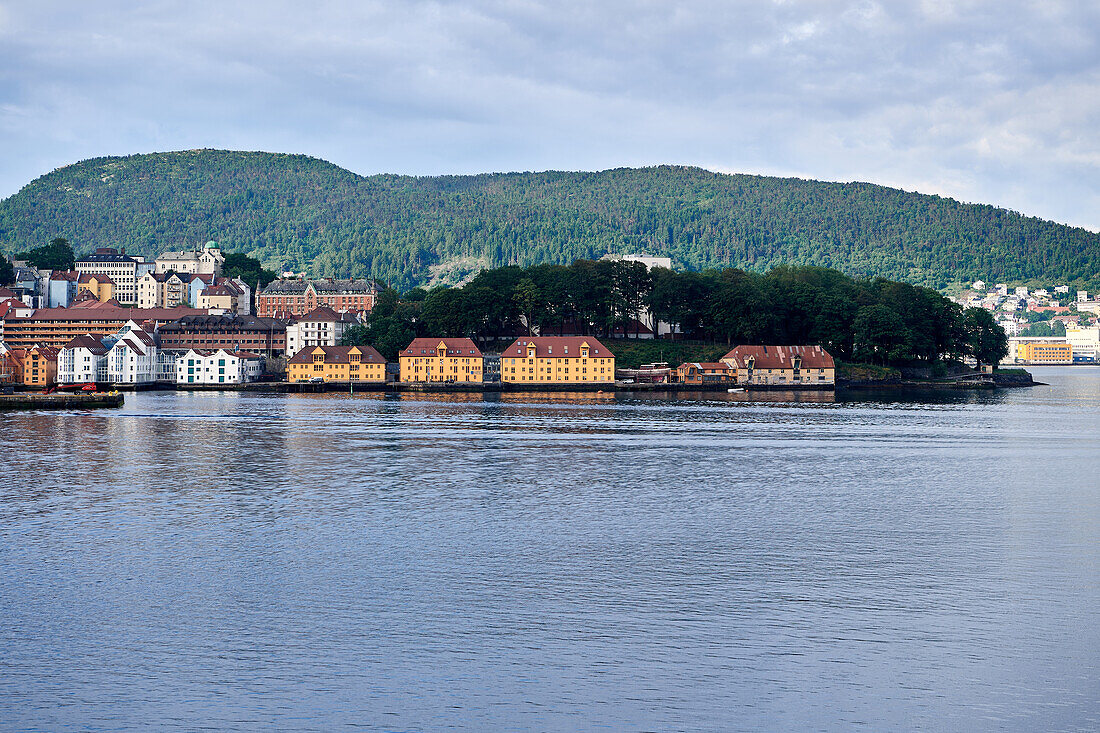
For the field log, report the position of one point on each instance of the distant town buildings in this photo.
(231, 332)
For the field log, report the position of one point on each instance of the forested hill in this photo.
(296, 212)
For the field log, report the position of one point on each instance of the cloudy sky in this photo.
(994, 101)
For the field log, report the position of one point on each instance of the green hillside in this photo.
(296, 212)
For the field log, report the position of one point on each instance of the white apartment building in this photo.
(84, 359)
(132, 359)
(320, 327)
(218, 367)
(1085, 341)
(123, 270)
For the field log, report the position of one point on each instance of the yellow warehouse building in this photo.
(557, 360)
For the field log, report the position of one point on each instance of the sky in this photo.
(995, 102)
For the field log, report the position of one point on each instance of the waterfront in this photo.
(555, 562)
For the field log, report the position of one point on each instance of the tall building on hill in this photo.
(205, 261)
(297, 297)
(124, 271)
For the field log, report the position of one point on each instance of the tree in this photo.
(880, 335)
(985, 340)
(7, 272)
(248, 269)
(57, 255)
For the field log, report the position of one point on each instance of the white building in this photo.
(124, 270)
(978, 286)
(1061, 289)
(1085, 341)
(1082, 296)
(205, 261)
(218, 367)
(1021, 292)
(1001, 289)
(649, 261)
(320, 327)
(133, 358)
(84, 359)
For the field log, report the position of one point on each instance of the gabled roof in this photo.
(87, 342)
(324, 313)
(65, 276)
(86, 277)
(338, 355)
(558, 346)
(454, 346)
(779, 357)
(286, 287)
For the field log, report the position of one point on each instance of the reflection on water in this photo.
(555, 561)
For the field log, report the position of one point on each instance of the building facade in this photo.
(792, 366)
(557, 360)
(705, 372)
(298, 297)
(336, 364)
(198, 366)
(1044, 352)
(441, 360)
(32, 367)
(122, 269)
(208, 261)
(233, 332)
(99, 286)
(82, 360)
(58, 326)
(61, 289)
(320, 327)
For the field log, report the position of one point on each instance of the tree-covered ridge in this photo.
(300, 213)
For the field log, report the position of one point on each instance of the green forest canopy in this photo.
(300, 213)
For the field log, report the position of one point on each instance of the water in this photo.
(549, 562)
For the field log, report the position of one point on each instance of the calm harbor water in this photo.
(310, 562)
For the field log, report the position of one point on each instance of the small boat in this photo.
(731, 390)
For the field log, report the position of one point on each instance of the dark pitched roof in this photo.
(87, 342)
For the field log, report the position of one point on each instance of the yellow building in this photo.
(337, 364)
(1039, 352)
(441, 360)
(557, 360)
(102, 287)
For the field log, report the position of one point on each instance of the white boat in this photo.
(731, 390)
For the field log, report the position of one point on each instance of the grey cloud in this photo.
(984, 101)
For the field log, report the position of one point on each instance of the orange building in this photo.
(101, 287)
(704, 372)
(337, 364)
(557, 360)
(441, 360)
(1039, 352)
(33, 367)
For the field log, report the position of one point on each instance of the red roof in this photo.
(337, 355)
(65, 275)
(455, 347)
(86, 342)
(558, 346)
(104, 312)
(101, 279)
(779, 357)
(324, 313)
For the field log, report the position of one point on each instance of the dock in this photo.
(58, 401)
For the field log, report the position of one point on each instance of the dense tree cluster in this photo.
(877, 320)
(300, 213)
(57, 255)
